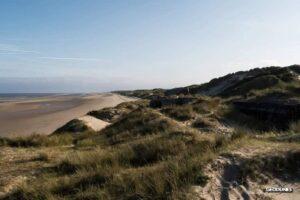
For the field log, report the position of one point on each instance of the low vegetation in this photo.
(113, 113)
(37, 141)
(73, 126)
(181, 113)
(156, 167)
(282, 166)
(203, 123)
(143, 94)
(138, 124)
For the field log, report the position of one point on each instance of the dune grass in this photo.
(111, 114)
(280, 165)
(36, 140)
(138, 124)
(181, 113)
(73, 126)
(160, 166)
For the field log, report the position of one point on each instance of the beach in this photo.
(44, 114)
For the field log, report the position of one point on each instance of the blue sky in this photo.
(94, 45)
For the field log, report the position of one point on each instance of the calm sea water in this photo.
(19, 96)
(4, 97)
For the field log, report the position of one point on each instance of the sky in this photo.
(96, 46)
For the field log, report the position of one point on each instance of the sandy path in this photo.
(224, 183)
(44, 115)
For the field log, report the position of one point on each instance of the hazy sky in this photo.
(94, 45)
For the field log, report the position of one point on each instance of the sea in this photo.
(5, 97)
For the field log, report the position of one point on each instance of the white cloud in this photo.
(9, 49)
(13, 49)
(72, 59)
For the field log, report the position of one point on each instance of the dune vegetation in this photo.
(153, 153)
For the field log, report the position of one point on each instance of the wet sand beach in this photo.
(45, 114)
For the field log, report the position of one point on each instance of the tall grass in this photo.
(153, 167)
(37, 141)
(138, 124)
(181, 113)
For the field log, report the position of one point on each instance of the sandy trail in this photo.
(44, 115)
(224, 183)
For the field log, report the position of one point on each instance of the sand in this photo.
(94, 123)
(43, 115)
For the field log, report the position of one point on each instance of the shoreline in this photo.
(43, 115)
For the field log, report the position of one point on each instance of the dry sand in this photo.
(94, 123)
(43, 115)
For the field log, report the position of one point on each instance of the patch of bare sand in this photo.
(45, 115)
(94, 123)
(224, 177)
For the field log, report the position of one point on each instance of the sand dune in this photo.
(43, 115)
(94, 123)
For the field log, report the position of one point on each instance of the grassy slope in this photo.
(258, 81)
